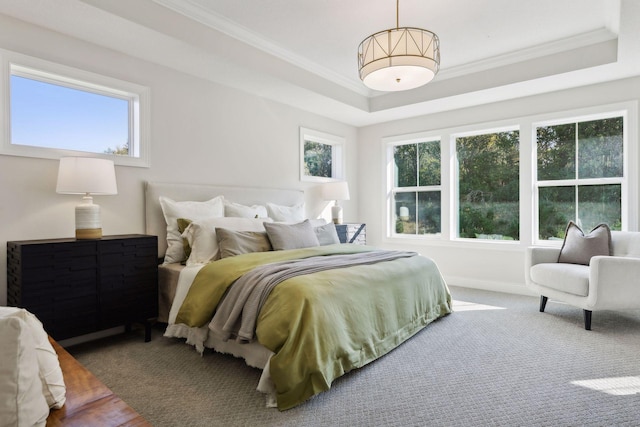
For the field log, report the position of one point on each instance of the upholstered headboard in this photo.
(154, 219)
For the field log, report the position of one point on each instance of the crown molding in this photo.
(523, 55)
(192, 10)
(195, 11)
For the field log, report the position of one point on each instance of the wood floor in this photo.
(89, 402)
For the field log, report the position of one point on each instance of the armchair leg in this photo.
(587, 320)
(543, 303)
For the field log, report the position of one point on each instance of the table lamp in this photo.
(87, 176)
(338, 190)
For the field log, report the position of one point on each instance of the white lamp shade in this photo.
(398, 77)
(83, 175)
(338, 190)
(399, 59)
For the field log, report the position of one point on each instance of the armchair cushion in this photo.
(579, 248)
(569, 278)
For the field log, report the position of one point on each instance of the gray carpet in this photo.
(495, 361)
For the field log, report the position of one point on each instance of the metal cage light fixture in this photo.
(398, 59)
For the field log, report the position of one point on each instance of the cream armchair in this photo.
(608, 283)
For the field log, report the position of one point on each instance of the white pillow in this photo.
(201, 235)
(242, 211)
(194, 211)
(291, 214)
(21, 400)
(53, 387)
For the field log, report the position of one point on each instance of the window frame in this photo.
(392, 189)
(528, 170)
(627, 217)
(455, 207)
(389, 159)
(337, 144)
(12, 63)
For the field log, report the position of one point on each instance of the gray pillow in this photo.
(232, 243)
(291, 236)
(327, 234)
(578, 248)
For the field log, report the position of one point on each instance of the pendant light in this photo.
(398, 59)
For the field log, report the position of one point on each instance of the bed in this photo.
(305, 313)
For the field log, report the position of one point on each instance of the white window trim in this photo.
(629, 188)
(31, 67)
(337, 153)
(389, 205)
(528, 167)
(455, 202)
(390, 201)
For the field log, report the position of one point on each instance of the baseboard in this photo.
(489, 285)
(92, 336)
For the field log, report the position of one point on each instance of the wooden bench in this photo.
(89, 402)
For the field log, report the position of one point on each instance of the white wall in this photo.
(201, 132)
(481, 265)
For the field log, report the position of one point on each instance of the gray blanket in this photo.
(238, 312)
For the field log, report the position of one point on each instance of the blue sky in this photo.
(48, 115)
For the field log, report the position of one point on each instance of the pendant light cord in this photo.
(397, 14)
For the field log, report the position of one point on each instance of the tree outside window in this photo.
(321, 156)
(579, 167)
(416, 188)
(489, 185)
(318, 159)
(580, 173)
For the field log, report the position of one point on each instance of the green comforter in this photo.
(325, 324)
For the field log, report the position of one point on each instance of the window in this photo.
(321, 156)
(415, 190)
(488, 185)
(580, 174)
(516, 182)
(56, 111)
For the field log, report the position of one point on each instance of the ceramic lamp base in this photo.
(88, 225)
(88, 233)
(336, 214)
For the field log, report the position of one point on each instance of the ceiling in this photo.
(303, 52)
(324, 35)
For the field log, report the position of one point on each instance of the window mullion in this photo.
(417, 224)
(585, 181)
(577, 167)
